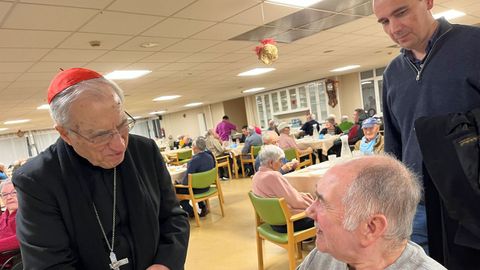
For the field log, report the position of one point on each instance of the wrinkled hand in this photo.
(158, 267)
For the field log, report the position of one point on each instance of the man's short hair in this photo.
(200, 143)
(225, 117)
(388, 188)
(245, 127)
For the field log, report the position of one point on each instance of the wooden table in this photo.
(235, 152)
(315, 143)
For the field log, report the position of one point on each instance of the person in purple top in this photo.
(224, 128)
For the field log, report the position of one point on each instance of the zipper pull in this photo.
(418, 76)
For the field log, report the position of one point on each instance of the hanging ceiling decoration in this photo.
(268, 51)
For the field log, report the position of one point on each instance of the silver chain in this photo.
(113, 218)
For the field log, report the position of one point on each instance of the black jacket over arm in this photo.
(56, 224)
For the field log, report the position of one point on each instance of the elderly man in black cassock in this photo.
(98, 198)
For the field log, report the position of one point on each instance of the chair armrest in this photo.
(298, 216)
(180, 186)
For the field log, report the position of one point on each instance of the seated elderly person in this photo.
(273, 126)
(285, 141)
(8, 236)
(363, 215)
(201, 161)
(214, 145)
(271, 138)
(307, 128)
(330, 127)
(252, 139)
(345, 125)
(372, 142)
(268, 182)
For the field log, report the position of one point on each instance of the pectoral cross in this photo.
(115, 265)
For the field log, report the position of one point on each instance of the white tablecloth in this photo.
(177, 173)
(304, 180)
(323, 144)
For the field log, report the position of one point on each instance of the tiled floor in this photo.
(229, 242)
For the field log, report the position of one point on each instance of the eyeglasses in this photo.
(105, 136)
(5, 195)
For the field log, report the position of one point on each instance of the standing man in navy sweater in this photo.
(436, 73)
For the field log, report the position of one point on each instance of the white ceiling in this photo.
(194, 58)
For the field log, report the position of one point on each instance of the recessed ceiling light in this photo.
(193, 104)
(449, 14)
(255, 89)
(163, 98)
(12, 122)
(126, 74)
(295, 3)
(256, 71)
(3, 129)
(43, 107)
(157, 112)
(149, 44)
(345, 68)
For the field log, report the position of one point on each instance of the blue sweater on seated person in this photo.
(200, 162)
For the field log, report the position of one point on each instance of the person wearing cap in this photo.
(285, 141)
(99, 197)
(372, 141)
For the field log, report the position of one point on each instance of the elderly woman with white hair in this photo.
(8, 234)
(268, 182)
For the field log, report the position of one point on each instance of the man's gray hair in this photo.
(60, 105)
(270, 153)
(267, 136)
(200, 143)
(251, 130)
(4, 183)
(387, 188)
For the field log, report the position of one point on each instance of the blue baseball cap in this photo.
(370, 122)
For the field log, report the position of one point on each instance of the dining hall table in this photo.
(235, 150)
(316, 143)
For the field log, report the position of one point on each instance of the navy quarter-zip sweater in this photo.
(448, 82)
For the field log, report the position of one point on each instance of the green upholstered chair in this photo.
(202, 180)
(274, 211)
(182, 157)
(292, 153)
(249, 158)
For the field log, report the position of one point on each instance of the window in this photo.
(371, 83)
(294, 99)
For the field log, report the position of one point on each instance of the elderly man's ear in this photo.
(63, 133)
(372, 229)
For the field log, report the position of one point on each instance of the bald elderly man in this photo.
(271, 138)
(363, 213)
